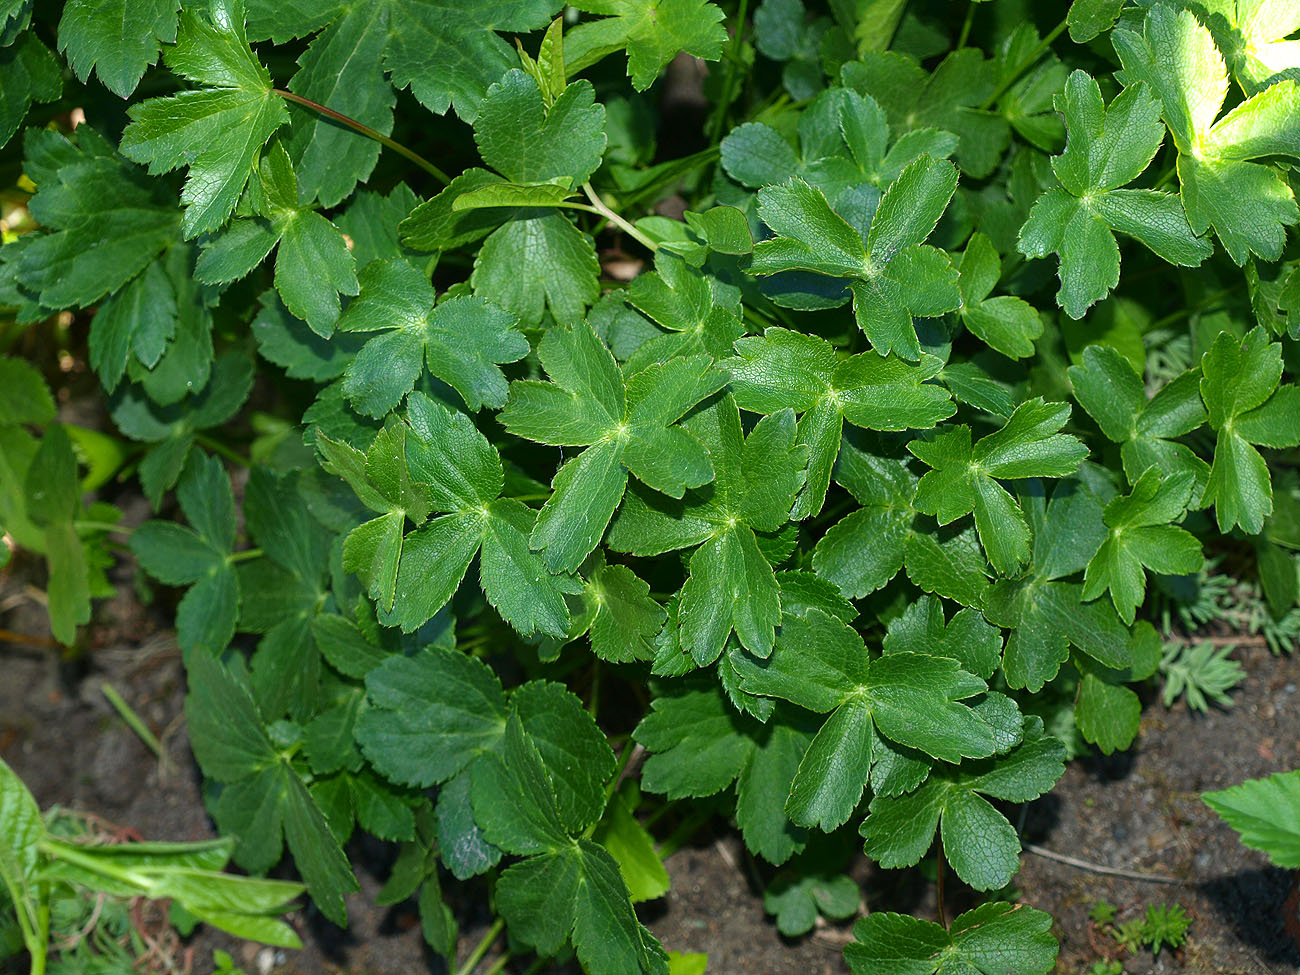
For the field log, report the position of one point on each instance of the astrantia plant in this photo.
(808, 465)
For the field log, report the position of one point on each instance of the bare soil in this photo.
(1139, 811)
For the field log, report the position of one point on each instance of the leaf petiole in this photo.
(367, 131)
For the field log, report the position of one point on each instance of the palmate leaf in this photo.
(263, 802)
(964, 478)
(652, 32)
(1045, 614)
(947, 99)
(731, 585)
(820, 663)
(788, 370)
(218, 130)
(106, 222)
(892, 275)
(171, 430)
(1253, 36)
(981, 845)
(313, 264)
(198, 556)
(446, 59)
(994, 939)
(700, 744)
(1246, 407)
(1111, 392)
(1108, 147)
(31, 74)
(1142, 537)
(282, 594)
(844, 147)
(700, 316)
(1106, 712)
(566, 888)
(431, 719)
(462, 341)
(438, 462)
(629, 423)
(118, 39)
(1248, 204)
(1005, 323)
(866, 548)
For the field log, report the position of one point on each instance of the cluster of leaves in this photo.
(47, 870)
(857, 493)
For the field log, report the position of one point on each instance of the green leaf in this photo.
(24, 397)
(1107, 713)
(618, 614)
(981, 845)
(1001, 938)
(198, 557)
(965, 638)
(1262, 811)
(964, 478)
(263, 798)
(172, 430)
(731, 584)
(1005, 323)
(529, 141)
(1046, 615)
(442, 698)
(652, 32)
(1089, 18)
(785, 369)
(893, 275)
(119, 39)
(218, 130)
(699, 745)
(1141, 537)
(31, 74)
(1248, 204)
(950, 99)
(1108, 147)
(1239, 383)
(1111, 392)
(105, 222)
(462, 341)
(538, 260)
(821, 664)
(865, 549)
(813, 884)
(628, 421)
(628, 842)
(585, 896)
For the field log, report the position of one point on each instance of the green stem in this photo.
(718, 118)
(368, 132)
(217, 447)
(600, 207)
(245, 555)
(482, 947)
(1024, 65)
(594, 705)
(967, 24)
(102, 526)
(499, 965)
(938, 885)
(683, 833)
(132, 719)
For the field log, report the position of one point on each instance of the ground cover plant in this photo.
(544, 467)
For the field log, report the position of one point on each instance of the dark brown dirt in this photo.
(1139, 811)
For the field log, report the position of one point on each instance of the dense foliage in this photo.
(799, 455)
